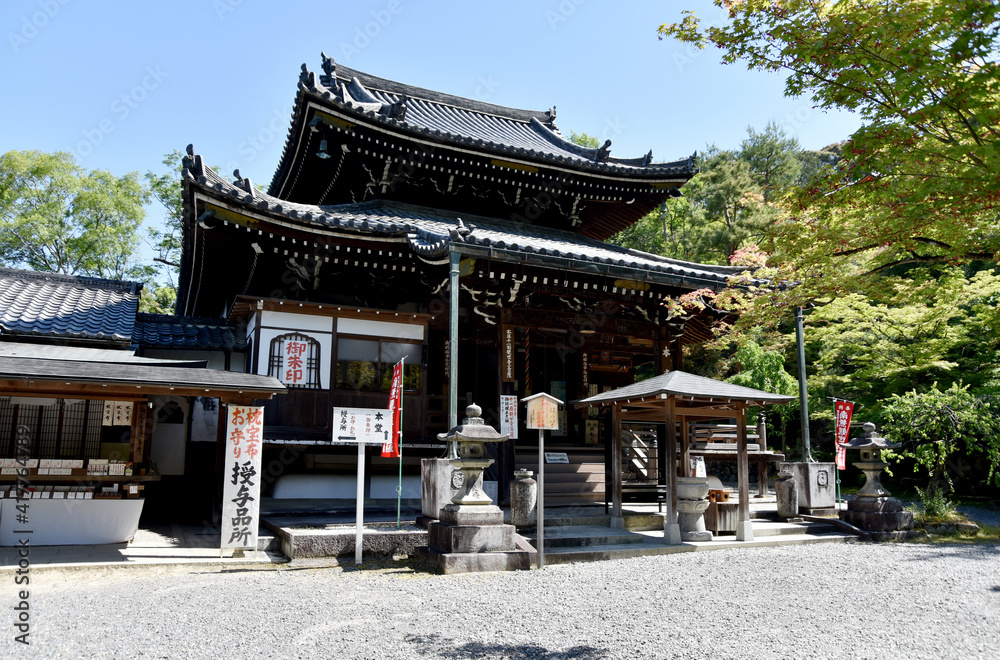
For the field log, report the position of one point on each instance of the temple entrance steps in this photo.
(576, 539)
(577, 483)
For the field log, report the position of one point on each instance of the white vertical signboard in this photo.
(241, 477)
(508, 416)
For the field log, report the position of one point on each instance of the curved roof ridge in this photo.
(82, 280)
(346, 74)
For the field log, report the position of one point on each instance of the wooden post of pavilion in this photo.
(744, 531)
(617, 520)
(671, 529)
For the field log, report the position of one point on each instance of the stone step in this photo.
(655, 546)
(771, 528)
(585, 536)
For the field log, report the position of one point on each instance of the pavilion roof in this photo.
(686, 385)
(431, 232)
(465, 123)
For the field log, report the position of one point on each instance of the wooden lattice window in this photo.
(294, 360)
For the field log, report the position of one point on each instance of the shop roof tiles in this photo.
(38, 304)
(140, 375)
(165, 331)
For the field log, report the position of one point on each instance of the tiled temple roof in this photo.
(466, 123)
(39, 304)
(429, 232)
(165, 331)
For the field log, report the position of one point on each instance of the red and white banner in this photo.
(241, 488)
(391, 448)
(842, 412)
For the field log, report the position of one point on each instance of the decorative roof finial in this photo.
(307, 77)
(550, 115)
(648, 158)
(236, 175)
(329, 66)
(193, 162)
(397, 110)
(603, 152)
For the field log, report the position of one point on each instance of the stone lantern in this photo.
(471, 436)
(470, 534)
(871, 445)
(873, 508)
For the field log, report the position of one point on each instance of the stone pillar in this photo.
(436, 488)
(523, 498)
(787, 495)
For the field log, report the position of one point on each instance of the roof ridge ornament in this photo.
(550, 116)
(603, 152)
(192, 162)
(396, 110)
(462, 232)
(307, 77)
(648, 158)
(240, 182)
(329, 65)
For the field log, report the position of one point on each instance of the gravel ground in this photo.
(820, 601)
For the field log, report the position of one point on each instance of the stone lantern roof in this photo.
(473, 429)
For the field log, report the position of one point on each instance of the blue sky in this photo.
(122, 83)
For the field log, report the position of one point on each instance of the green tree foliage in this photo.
(774, 159)
(725, 206)
(56, 216)
(167, 190)
(917, 183)
(584, 140)
(765, 370)
(939, 328)
(935, 425)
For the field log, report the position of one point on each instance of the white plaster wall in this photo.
(293, 321)
(380, 329)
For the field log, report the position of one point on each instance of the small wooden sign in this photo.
(543, 411)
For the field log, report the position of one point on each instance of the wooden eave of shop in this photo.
(85, 390)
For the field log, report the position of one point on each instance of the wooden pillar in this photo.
(137, 444)
(685, 466)
(617, 520)
(744, 532)
(671, 530)
(762, 462)
(676, 354)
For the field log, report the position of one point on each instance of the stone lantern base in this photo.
(473, 538)
(877, 514)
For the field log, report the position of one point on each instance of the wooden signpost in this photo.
(361, 426)
(542, 414)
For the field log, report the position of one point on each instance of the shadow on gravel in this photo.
(958, 550)
(442, 647)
